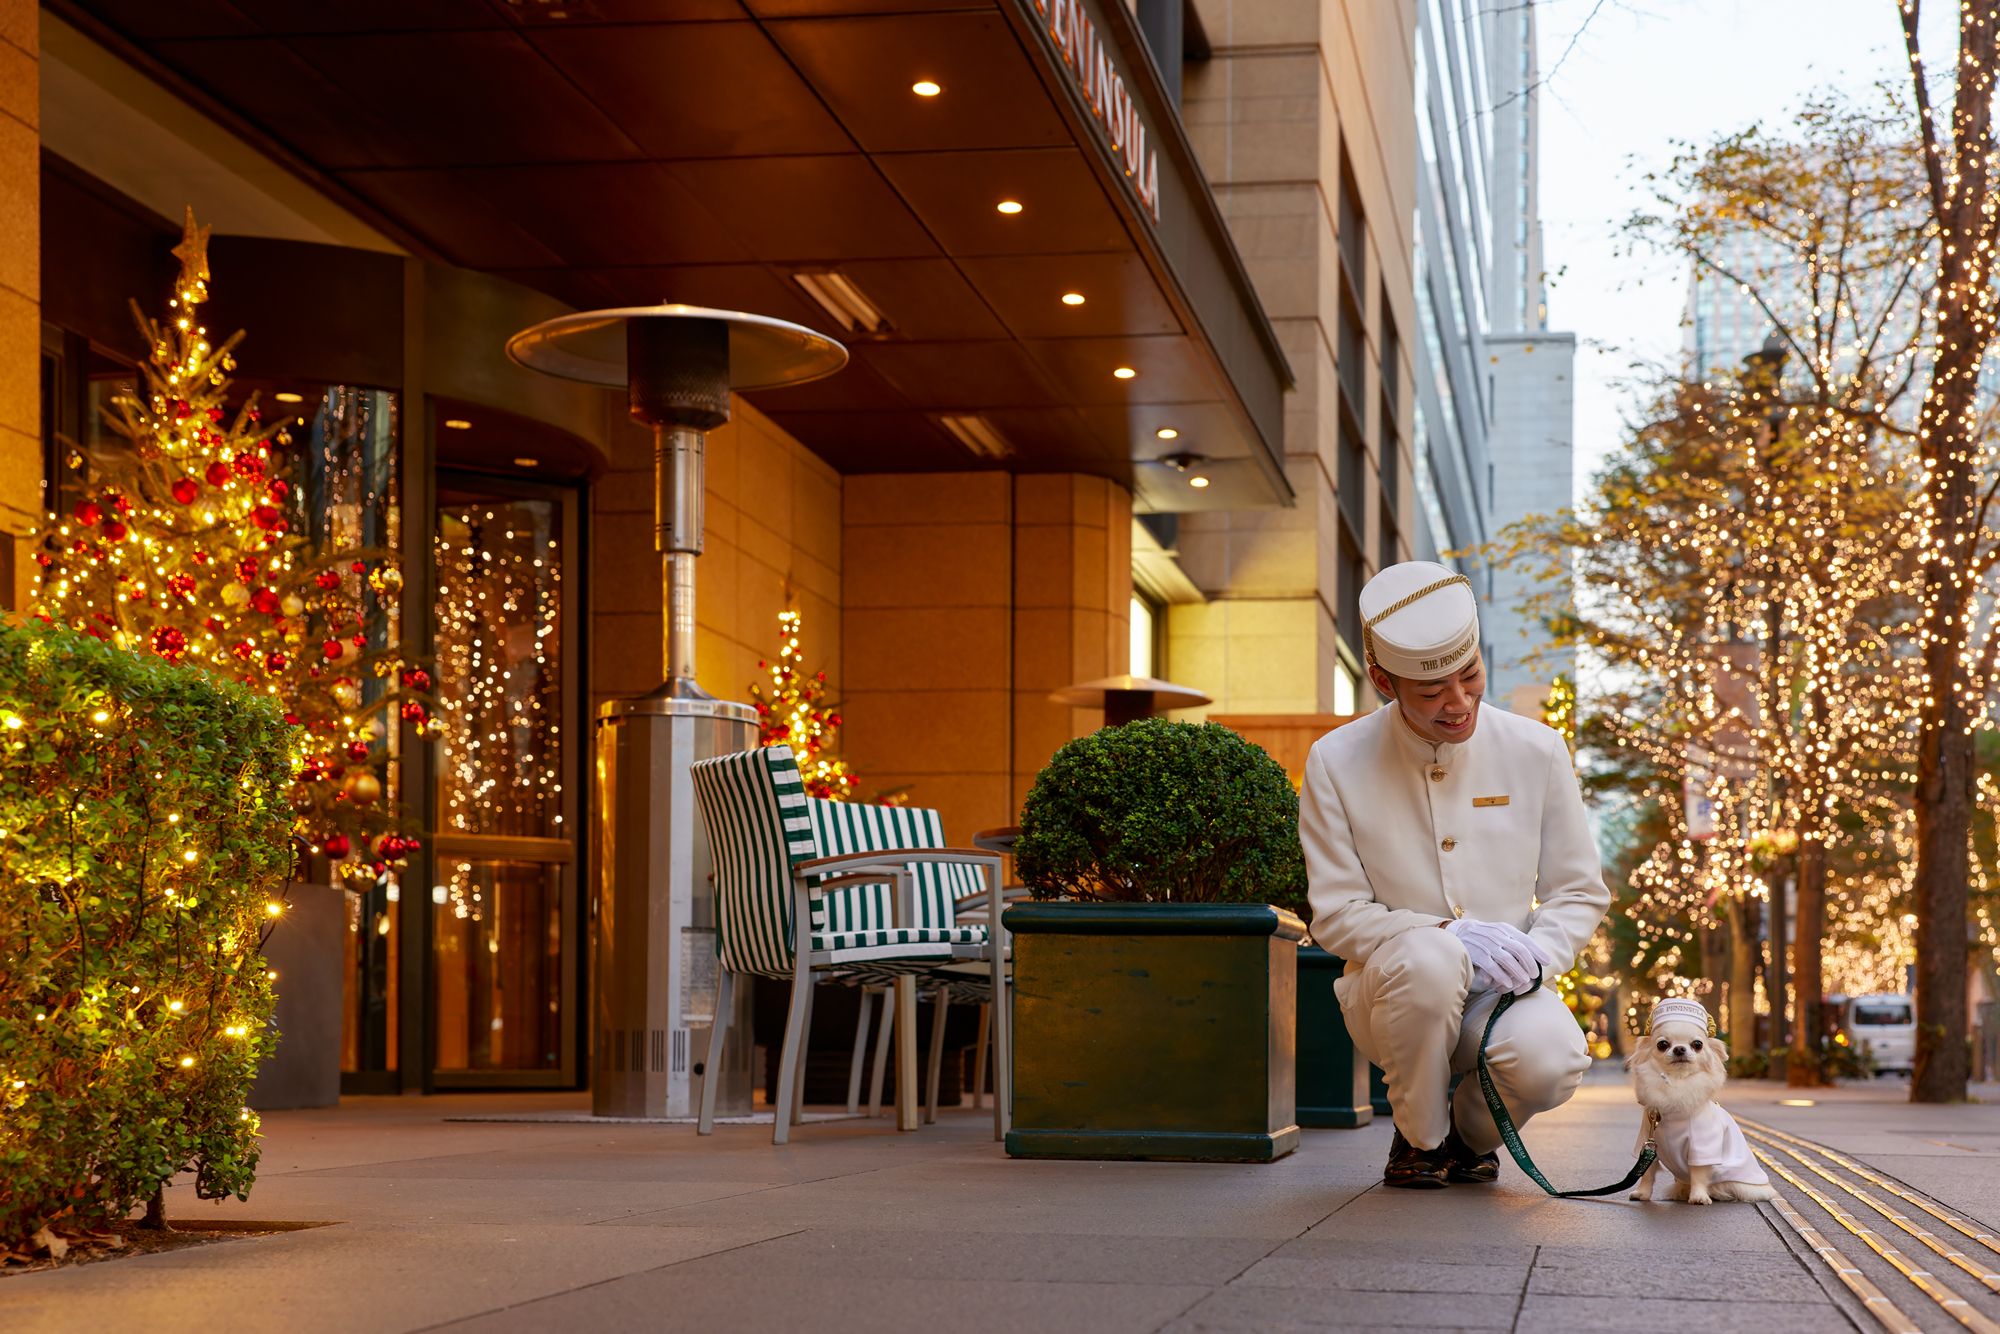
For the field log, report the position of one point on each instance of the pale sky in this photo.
(1645, 73)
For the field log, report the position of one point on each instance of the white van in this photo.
(1886, 1028)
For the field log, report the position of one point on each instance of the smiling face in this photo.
(1442, 710)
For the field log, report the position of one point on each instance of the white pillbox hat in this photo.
(1419, 620)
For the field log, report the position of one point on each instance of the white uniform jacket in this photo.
(1400, 834)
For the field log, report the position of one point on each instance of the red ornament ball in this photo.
(246, 569)
(182, 409)
(291, 718)
(278, 489)
(88, 513)
(170, 643)
(357, 750)
(336, 846)
(215, 414)
(359, 567)
(414, 711)
(416, 678)
(114, 531)
(266, 517)
(213, 624)
(276, 662)
(265, 600)
(327, 579)
(247, 464)
(185, 490)
(332, 649)
(217, 474)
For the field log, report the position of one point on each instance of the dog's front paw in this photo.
(1699, 1197)
(1643, 1194)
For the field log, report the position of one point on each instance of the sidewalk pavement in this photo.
(530, 1227)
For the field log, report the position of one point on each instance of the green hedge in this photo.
(1162, 811)
(143, 836)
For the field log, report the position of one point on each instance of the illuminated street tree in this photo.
(1955, 446)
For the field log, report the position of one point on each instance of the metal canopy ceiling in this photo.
(626, 152)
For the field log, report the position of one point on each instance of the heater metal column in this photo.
(653, 920)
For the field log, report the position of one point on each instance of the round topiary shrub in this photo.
(1162, 812)
(144, 846)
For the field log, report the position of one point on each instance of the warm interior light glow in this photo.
(925, 88)
(1125, 373)
(1167, 433)
(526, 463)
(457, 424)
(1795, 1102)
(1197, 481)
(287, 396)
(1009, 206)
(1072, 298)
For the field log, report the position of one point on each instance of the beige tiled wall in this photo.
(1289, 81)
(773, 540)
(20, 291)
(969, 597)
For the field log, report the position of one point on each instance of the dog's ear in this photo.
(1720, 1050)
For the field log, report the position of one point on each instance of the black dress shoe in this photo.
(1462, 1165)
(1413, 1168)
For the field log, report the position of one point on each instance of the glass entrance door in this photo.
(504, 918)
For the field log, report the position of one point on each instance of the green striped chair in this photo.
(945, 893)
(786, 906)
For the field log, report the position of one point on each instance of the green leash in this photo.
(1511, 1137)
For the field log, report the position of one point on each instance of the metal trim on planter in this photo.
(1155, 919)
(679, 708)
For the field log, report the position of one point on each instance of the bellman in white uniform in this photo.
(1448, 859)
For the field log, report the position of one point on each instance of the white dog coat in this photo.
(1706, 1137)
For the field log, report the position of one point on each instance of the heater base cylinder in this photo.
(653, 927)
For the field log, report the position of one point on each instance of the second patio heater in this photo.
(653, 920)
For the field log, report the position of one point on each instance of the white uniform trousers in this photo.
(1412, 1011)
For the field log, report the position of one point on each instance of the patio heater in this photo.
(1128, 698)
(653, 906)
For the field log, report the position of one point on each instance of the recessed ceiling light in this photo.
(1167, 433)
(925, 88)
(457, 424)
(526, 463)
(287, 396)
(839, 297)
(1125, 373)
(1197, 481)
(1009, 206)
(1072, 298)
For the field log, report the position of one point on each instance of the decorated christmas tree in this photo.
(795, 712)
(195, 544)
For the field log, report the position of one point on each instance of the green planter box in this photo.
(1332, 1077)
(1154, 1031)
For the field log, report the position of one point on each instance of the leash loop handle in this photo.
(1511, 1136)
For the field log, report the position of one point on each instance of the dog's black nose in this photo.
(1680, 1051)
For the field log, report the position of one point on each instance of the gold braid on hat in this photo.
(1368, 626)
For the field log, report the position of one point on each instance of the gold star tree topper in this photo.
(192, 252)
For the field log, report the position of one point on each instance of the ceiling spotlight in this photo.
(1009, 206)
(926, 88)
(287, 396)
(1167, 433)
(1125, 373)
(457, 424)
(1197, 481)
(527, 463)
(1072, 298)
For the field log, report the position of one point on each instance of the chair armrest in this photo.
(888, 857)
(977, 898)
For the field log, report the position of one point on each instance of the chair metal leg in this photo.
(789, 1074)
(882, 1041)
(861, 1026)
(711, 1068)
(979, 1057)
(940, 1007)
(804, 1061)
(909, 1110)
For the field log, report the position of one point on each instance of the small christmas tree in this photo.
(192, 544)
(795, 713)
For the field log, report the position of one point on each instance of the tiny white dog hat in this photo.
(1671, 1008)
(1419, 620)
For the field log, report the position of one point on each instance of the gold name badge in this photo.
(1489, 801)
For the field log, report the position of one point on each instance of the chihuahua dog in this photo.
(1676, 1073)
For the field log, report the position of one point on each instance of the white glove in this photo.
(1504, 958)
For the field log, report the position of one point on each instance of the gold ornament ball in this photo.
(346, 694)
(363, 788)
(387, 580)
(293, 604)
(236, 595)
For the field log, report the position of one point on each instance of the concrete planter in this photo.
(1332, 1076)
(305, 948)
(1154, 1031)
